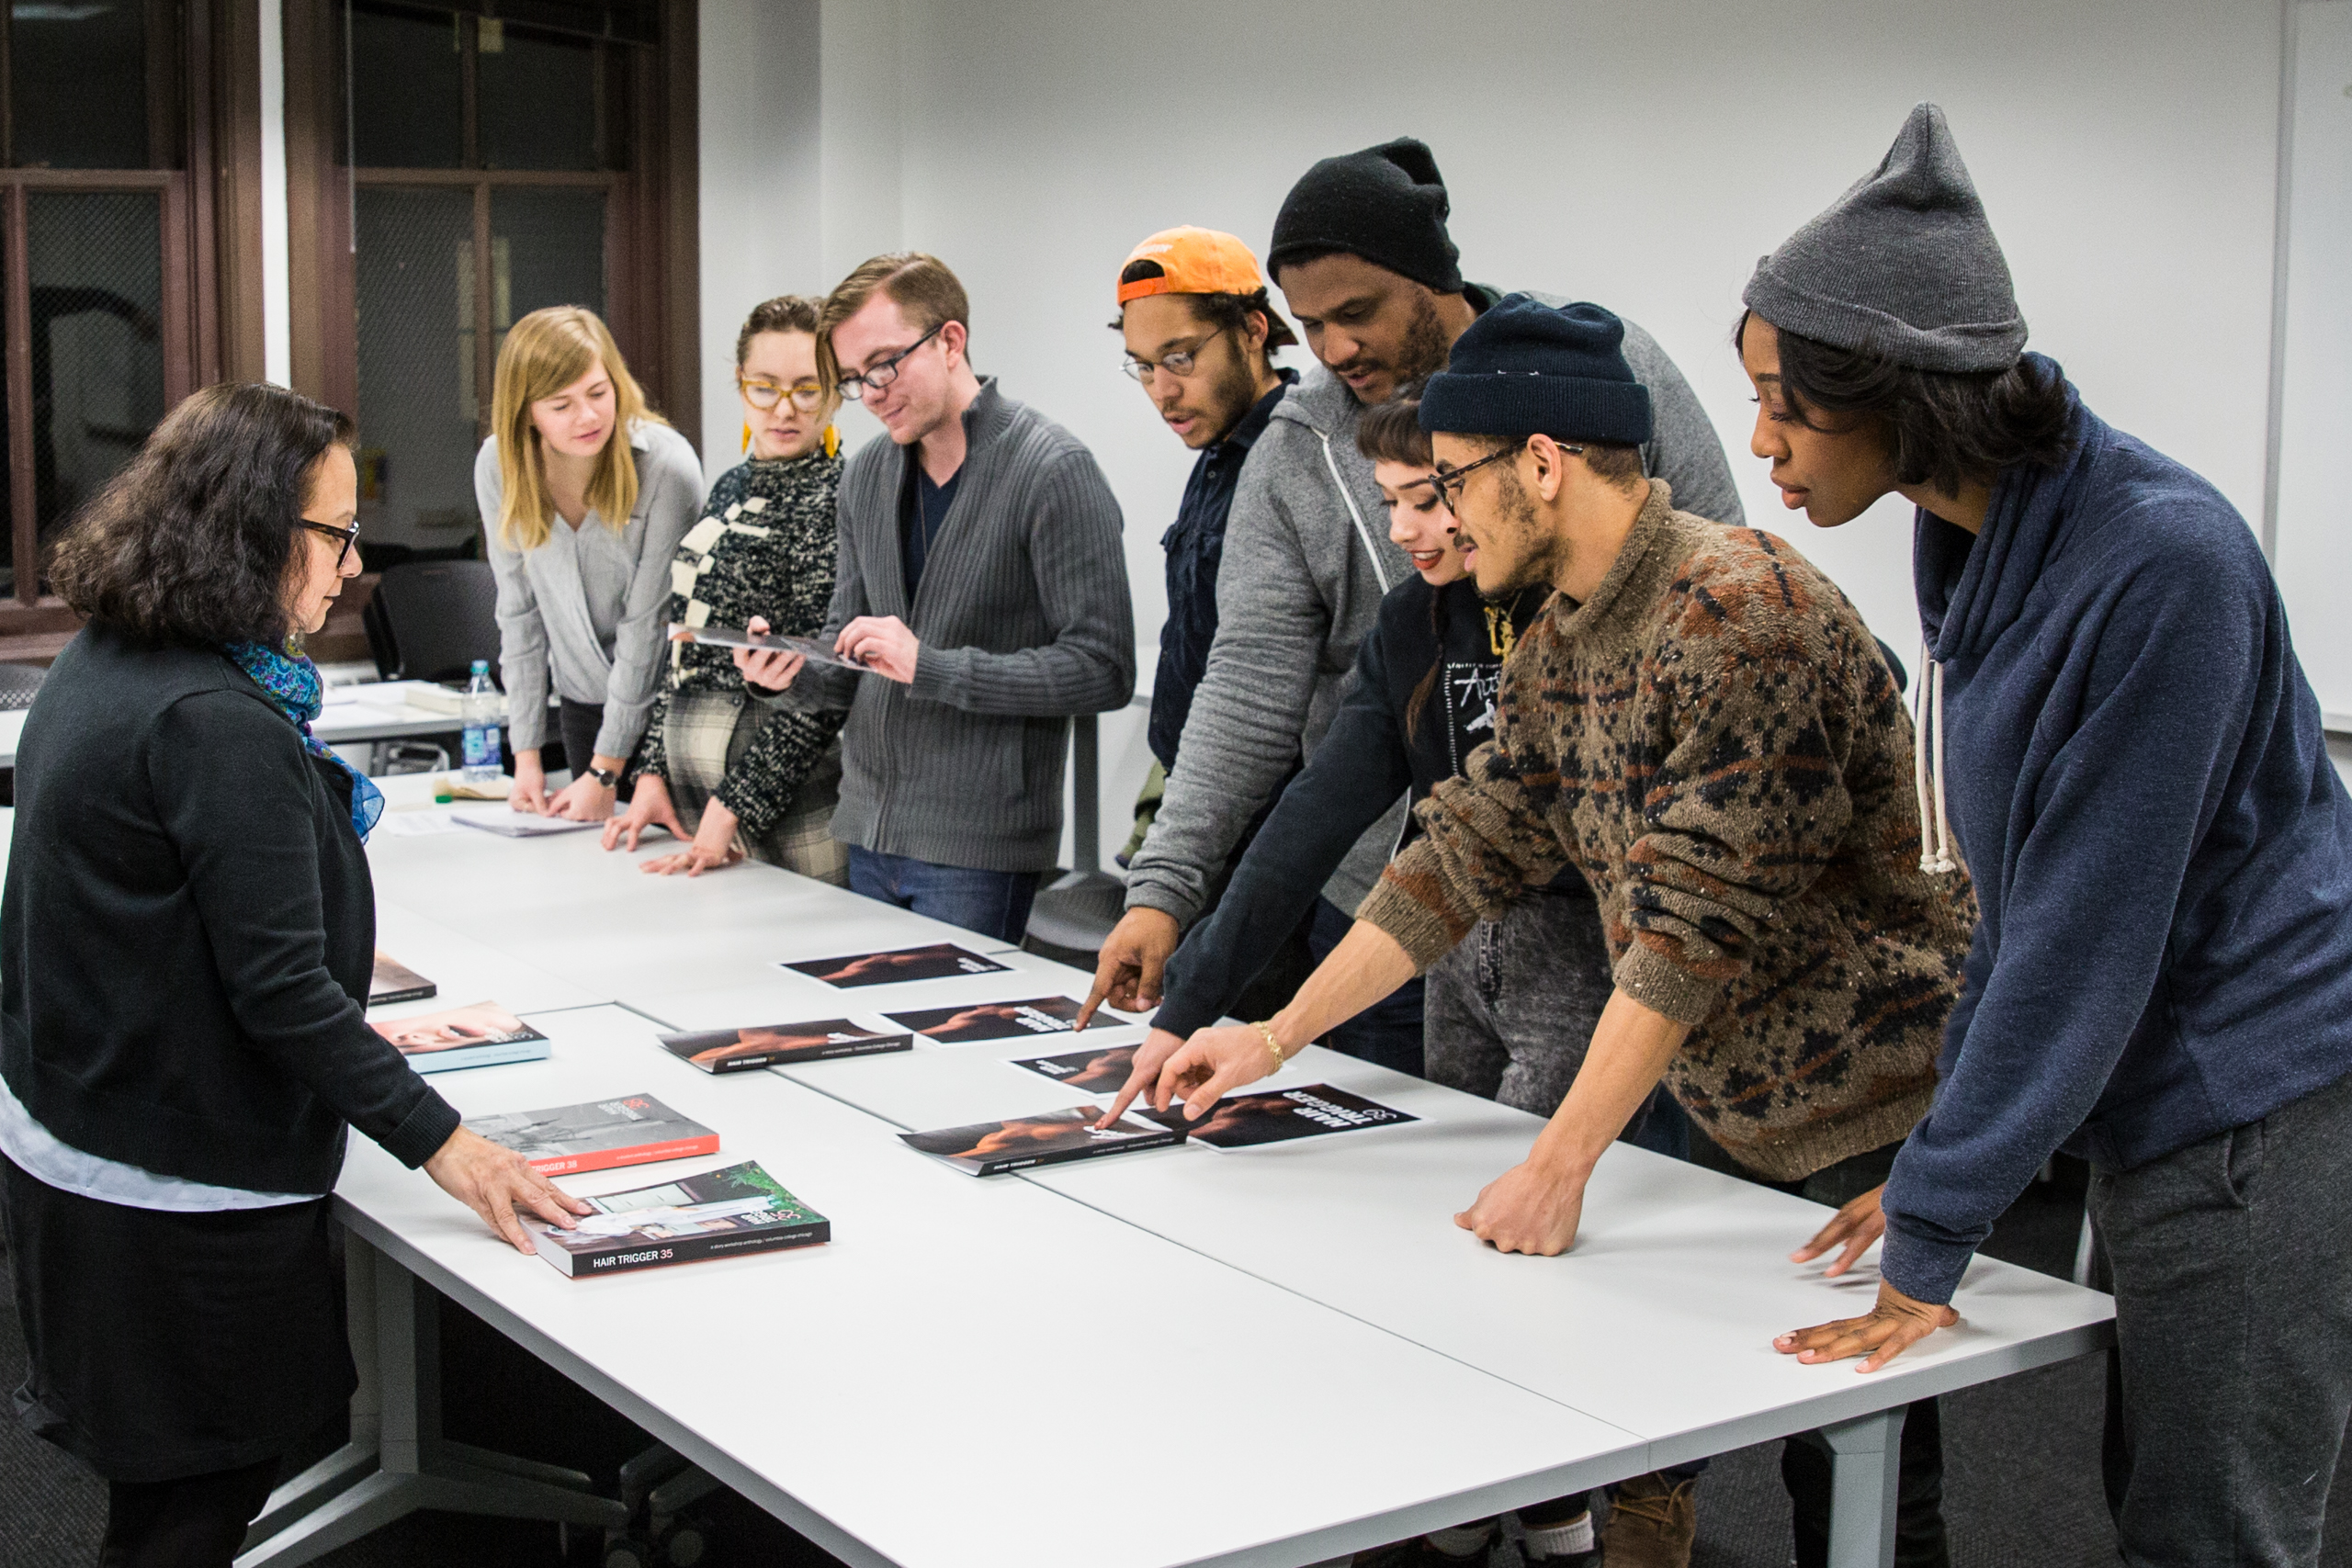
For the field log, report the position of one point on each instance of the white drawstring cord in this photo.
(1927, 764)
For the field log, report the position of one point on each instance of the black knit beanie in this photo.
(1524, 368)
(1386, 204)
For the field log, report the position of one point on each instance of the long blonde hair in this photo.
(543, 353)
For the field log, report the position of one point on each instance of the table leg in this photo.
(1865, 1458)
(396, 1460)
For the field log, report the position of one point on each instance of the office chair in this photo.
(430, 620)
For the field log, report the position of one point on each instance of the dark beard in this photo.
(1425, 344)
(1236, 390)
(1544, 559)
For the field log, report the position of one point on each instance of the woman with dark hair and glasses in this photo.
(728, 776)
(186, 944)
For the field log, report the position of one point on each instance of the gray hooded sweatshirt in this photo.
(1306, 562)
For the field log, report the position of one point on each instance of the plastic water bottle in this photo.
(485, 707)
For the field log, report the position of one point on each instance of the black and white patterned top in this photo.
(765, 546)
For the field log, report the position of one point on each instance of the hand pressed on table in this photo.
(1856, 1226)
(713, 848)
(649, 806)
(1895, 1324)
(494, 1182)
(1127, 970)
(530, 791)
(1530, 1208)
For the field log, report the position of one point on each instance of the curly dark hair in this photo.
(191, 542)
(1943, 428)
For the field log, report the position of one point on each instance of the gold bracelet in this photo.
(1272, 1045)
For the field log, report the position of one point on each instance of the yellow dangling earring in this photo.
(833, 441)
(747, 436)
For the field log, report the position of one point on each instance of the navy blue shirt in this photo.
(920, 522)
(1196, 543)
(2161, 848)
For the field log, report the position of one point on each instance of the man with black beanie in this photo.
(1363, 256)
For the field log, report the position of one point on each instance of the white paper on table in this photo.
(414, 824)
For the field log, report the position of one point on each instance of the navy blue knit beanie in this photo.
(1525, 369)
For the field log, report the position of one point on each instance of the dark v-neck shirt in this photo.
(920, 522)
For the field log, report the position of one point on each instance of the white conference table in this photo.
(353, 714)
(1647, 1344)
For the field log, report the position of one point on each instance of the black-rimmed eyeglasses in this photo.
(875, 377)
(350, 537)
(1447, 482)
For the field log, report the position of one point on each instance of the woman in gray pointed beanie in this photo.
(2117, 740)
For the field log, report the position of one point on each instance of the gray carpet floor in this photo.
(2021, 1459)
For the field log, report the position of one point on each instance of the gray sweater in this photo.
(1024, 618)
(1306, 561)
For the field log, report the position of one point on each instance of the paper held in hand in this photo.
(808, 648)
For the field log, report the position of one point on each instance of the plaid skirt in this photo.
(708, 732)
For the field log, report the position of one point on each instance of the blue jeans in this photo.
(993, 903)
(1388, 1031)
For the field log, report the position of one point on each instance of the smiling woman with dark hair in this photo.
(186, 945)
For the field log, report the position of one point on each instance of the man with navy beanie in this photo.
(1363, 255)
(2133, 766)
(1701, 723)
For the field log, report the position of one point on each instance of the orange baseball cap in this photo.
(1192, 260)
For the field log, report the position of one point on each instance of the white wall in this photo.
(1643, 157)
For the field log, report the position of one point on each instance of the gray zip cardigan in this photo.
(1024, 620)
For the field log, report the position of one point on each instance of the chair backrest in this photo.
(17, 684)
(430, 620)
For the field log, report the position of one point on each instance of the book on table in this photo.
(396, 982)
(600, 1135)
(1088, 1072)
(512, 824)
(1054, 1137)
(481, 1035)
(1281, 1116)
(939, 960)
(775, 1044)
(736, 1210)
(1003, 1021)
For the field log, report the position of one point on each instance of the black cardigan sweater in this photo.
(188, 931)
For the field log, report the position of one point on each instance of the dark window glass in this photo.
(547, 248)
(96, 265)
(415, 281)
(407, 92)
(537, 100)
(78, 85)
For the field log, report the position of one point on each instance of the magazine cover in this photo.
(719, 1213)
(1000, 1021)
(1277, 1116)
(519, 824)
(1088, 1072)
(636, 1129)
(481, 1035)
(769, 1044)
(808, 648)
(986, 1148)
(937, 962)
(396, 982)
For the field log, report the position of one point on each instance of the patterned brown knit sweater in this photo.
(1714, 741)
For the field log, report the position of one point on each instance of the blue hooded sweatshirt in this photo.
(2162, 850)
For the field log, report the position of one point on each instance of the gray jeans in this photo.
(1511, 1010)
(2232, 1375)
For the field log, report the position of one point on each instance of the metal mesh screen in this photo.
(414, 287)
(95, 262)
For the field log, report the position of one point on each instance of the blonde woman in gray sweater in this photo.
(582, 528)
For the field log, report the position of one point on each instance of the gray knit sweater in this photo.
(1306, 561)
(1024, 618)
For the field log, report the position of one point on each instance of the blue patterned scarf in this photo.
(292, 682)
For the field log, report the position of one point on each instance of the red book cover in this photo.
(565, 1139)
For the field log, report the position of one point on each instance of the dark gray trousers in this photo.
(2232, 1377)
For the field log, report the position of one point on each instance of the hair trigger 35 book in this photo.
(721, 1214)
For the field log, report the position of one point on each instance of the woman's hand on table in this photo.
(1889, 1328)
(495, 1182)
(1531, 1208)
(530, 791)
(1209, 1065)
(649, 806)
(1151, 1056)
(1856, 1226)
(713, 847)
(766, 669)
(582, 800)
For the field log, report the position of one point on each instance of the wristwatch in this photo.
(605, 776)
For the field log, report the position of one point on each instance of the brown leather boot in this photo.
(1652, 1522)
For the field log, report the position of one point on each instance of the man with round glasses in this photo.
(983, 589)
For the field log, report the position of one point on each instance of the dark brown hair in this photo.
(1943, 428)
(192, 541)
(784, 313)
(926, 293)
(1392, 433)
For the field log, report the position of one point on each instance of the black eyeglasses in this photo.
(873, 379)
(349, 536)
(1179, 363)
(1447, 482)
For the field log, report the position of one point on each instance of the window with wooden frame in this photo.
(469, 163)
(112, 267)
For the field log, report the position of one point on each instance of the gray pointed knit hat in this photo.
(1903, 263)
